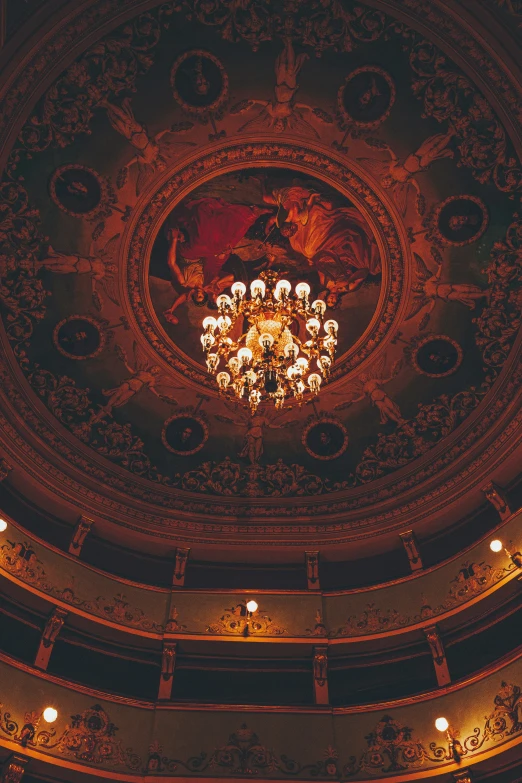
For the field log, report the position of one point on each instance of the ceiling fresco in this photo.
(201, 143)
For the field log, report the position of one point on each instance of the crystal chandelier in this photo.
(267, 362)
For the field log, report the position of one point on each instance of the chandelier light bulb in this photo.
(238, 289)
(292, 372)
(209, 323)
(207, 341)
(233, 364)
(223, 379)
(3, 525)
(212, 362)
(441, 724)
(282, 289)
(252, 606)
(244, 355)
(251, 377)
(324, 362)
(300, 388)
(314, 382)
(257, 288)
(266, 340)
(224, 323)
(302, 363)
(331, 327)
(302, 290)
(313, 325)
(50, 714)
(319, 307)
(291, 350)
(496, 545)
(223, 301)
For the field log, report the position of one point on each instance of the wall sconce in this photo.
(455, 748)
(50, 714)
(497, 546)
(251, 608)
(3, 525)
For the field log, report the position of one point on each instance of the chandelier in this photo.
(267, 361)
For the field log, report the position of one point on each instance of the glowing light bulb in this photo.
(282, 289)
(291, 350)
(441, 724)
(314, 382)
(257, 288)
(302, 363)
(3, 525)
(324, 362)
(209, 322)
(212, 361)
(207, 341)
(224, 323)
(223, 379)
(223, 300)
(266, 340)
(302, 290)
(238, 289)
(251, 377)
(496, 545)
(244, 355)
(313, 325)
(50, 714)
(331, 327)
(319, 307)
(252, 606)
(233, 363)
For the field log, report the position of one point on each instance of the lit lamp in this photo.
(50, 714)
(3, 525)
(268, 362)
(455, 747)
(497, 546)
(252, 607)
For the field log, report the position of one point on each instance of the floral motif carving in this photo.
(238, 620)
(391, 748)
(373, 620)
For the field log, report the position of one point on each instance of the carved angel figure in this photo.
(428, 288)
(143, 376)
(400, 177)
(283, 113)
(370, 385)
(99, 266)
(255, 425)
(152, 153)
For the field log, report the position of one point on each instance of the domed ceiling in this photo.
(182, 133)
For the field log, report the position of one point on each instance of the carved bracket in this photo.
(168, 662)
(5, 469)
(312, 571)
(498, 499)
(50, 633)
(439, 656)
(14, 768)
(320, 670)
(81, 531)
(180, 566)
(412, 550)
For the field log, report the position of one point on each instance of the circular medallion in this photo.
(437, 356)
(79, 337)
(185, 433)
(325, 438)
(77, 190)
(460, 220)
(199, 82)
(366, 97)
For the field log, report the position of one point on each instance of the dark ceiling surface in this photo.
(187, 105)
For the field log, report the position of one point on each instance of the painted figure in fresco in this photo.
(428, 288)
(206, 233)
(252, 448)
(400, 177)
(335, 240)
(370, 385)
(152, 153)
(99, 267)
(283, 114)
(143, 376)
